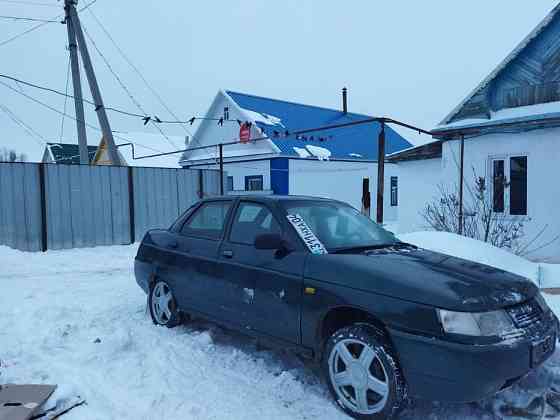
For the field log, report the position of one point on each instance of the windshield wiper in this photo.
(361, 248)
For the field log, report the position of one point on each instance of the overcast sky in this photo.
(410, 60)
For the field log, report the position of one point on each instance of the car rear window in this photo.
(208, 220)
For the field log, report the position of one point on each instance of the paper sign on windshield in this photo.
(305, 232)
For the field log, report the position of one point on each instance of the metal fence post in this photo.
(200, 184)
(43, 201)
(131, 205)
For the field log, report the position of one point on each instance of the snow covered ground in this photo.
(77, 319)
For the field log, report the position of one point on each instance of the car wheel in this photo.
(162, 304)
(362, 373)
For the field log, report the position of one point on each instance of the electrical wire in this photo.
(65, 101)
(27, 19)
(28, 129)
(32, 3)
(124, 87)
(40, 25)
(138, 72)
(53, 109)
(144, 117)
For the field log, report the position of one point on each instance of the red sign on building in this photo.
(244, 133)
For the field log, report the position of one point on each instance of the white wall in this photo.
(418, 181)
(542, 148)
(342, 181)
(239, 170)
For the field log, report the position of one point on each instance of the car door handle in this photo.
(227, 253)
(173, 244)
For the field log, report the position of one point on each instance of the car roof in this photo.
(261, 197)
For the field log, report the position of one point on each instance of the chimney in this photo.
(345, 100)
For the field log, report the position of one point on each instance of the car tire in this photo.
(163, 306)
(362, 373)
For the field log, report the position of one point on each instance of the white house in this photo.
(339, 163)
(510, 128)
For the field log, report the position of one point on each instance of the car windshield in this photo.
(339, 226)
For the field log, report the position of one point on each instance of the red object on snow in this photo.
(244, 133)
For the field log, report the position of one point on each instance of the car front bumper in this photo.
(445, 371)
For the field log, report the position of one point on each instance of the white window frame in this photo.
(507, 173)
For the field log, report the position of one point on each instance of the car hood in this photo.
(423, 276)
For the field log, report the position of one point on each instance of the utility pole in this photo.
(77, 85)
(221, 148)
(380, 172)
(70, 7)
(461, 182)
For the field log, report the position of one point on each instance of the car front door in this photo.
(198, 271)
(264, 286)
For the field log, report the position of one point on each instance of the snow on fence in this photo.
(54, 206)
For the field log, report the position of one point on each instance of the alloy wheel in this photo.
(162, 301)
(358, 377)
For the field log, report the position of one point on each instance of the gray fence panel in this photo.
(155, 198)
(187, 188)
(89, 205)
(120, 205)
(32, 195)
(3, 204)
(20, 211)
(211, 183)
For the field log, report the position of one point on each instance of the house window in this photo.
(394, 191)
(254, 183)
(513, 190)
(226, 113)
(498, 181)
(230, 183)
(518, 185)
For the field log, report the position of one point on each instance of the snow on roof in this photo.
(321, 153)
(262, 117)
(302, 152)
(150, 144)
(512, 56)
(518, 114)
(274, 117)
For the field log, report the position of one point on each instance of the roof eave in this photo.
(543, 24)
(544, 120)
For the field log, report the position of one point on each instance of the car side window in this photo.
(208, 221)
(250, 221)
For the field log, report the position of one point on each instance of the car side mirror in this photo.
(272, 241)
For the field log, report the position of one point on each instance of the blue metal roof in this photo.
(354, 142)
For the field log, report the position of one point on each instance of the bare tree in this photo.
(480, 221)
(10, 155)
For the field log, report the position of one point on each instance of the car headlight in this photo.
(542, 302)
(484, 324)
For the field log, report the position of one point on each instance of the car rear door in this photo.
(264, 287)
(198, 280)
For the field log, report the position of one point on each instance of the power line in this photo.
(53, 109)
(29, 130)
(124, 87)
(40, 25)
(65, 100)
(32, 3)
(144, 117)
(28, 19)
(138, 72)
